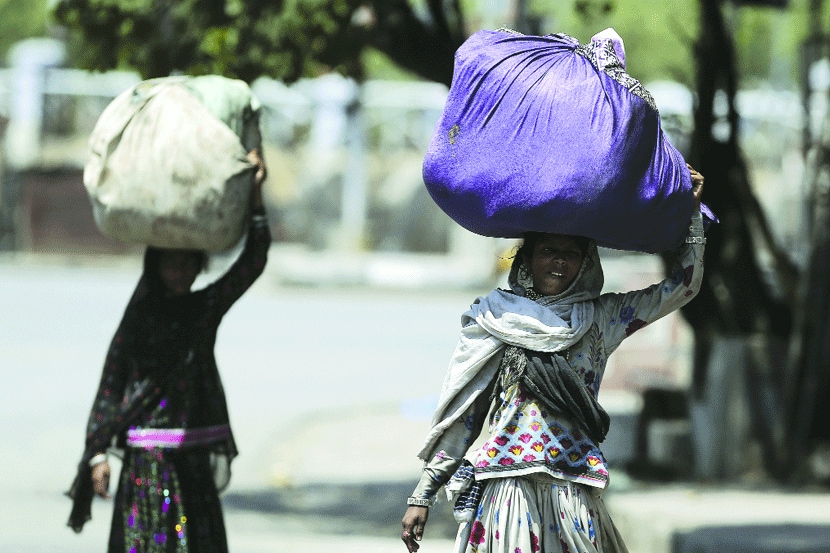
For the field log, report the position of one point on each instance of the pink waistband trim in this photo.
(176, 437)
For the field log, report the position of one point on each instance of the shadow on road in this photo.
(350, 509)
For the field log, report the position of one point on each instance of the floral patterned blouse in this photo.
(523, 437)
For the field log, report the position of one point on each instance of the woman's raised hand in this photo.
(413, 524)
(697, 184)
(256, 159)
(101, 479)
(259, 177)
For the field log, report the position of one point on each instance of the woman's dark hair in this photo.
(152, 258)
(525, 251)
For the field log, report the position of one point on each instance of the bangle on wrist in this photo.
(98, 459)
(695, 239)
(419, 502)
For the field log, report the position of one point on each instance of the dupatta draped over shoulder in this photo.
(551, 325)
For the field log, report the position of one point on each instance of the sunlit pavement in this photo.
(649, 517)
(35, 523)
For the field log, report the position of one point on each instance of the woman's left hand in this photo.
(697, 185)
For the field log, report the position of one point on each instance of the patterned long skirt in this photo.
(535, 514)
(166, 502)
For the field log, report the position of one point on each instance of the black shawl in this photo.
(557, 386)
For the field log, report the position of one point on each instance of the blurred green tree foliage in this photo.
(658, 36)
(20, 19)
(768, 42)
(284, 39)
(290, 39)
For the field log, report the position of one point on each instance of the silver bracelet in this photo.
(418, 502)
(259, 218)
(695, 239)
(98, 459)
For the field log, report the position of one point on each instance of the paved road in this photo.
(34, 523)
(292, 362)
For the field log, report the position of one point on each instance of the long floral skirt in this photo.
(533, 514)
(166, 502)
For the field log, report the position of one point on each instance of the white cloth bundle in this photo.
(168, 164)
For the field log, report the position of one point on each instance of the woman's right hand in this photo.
(413, 524)
(101, 479)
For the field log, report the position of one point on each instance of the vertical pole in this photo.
(337, 128)
(29, 60)
(354, 197)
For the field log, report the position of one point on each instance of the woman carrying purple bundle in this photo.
(161, 402)
(529, 362)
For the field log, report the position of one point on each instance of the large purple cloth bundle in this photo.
(545, 134)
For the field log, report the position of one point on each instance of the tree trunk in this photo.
(735, 300)
(808, 379)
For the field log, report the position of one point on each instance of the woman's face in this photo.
(555, 263)
(178, 270)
